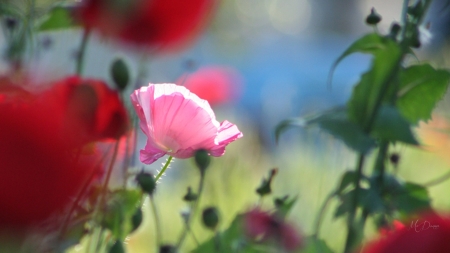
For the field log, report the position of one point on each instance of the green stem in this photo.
(82, 52)
(320, 215)
(157, 222)
(193, 211)
(164, 168)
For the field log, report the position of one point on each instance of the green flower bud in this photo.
(117, 247)
(136, 219)
(147, 182)
(167, 249)
(395, 30)
(373, 18)
(120, 74)
(202, 159)
(265, 187)
(190, 196)
(210, 217)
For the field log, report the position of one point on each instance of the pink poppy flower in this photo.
(177, 122)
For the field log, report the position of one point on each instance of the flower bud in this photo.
(265, 187)
(147, 182)
(136, 219)
(202, 159)
(190, 196)
(373, 18)
(394, 158)
(117, 247)
(167, 249)
(120, 74)
(395, 30)
(210, 217)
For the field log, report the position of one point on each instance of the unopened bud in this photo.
(136, 219)
(167, 249)
(190, 196)
(210, 217)
(120, 74)
(265, 187)
(202, 159)
(147, 182)
(373, 18)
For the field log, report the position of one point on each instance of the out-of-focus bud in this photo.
(190, 196)
(265, 187)
(373, 18)
(210, 217)
(117, 247)
(395, 30)
(202, 159)
(136, 219)
(167, 249)
(147, 182)
(120, 74)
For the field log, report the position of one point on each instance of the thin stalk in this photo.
(321, 213)
(193, 211)
(157, 221)
(82, 52)
(164, 168)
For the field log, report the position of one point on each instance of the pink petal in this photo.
(150, 154)
(228, 132)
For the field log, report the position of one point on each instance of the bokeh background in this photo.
(280, 53)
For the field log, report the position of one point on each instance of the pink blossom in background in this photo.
(216, 84)
(269, 227)
(177, 122)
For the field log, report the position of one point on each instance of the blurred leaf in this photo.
(58, 18)
(117, 247)
(136, 219)
(367, 94)
(390, 125)
(288, 123)
(347, 179)
(411, 199)
(284, 205)
(369, 199)
(118, 216)
(314, 245)
(231, 240)
(421, 87)
(336, 123)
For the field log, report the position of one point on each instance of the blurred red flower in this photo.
(88, 107)
(428, 233)
(396, 225)
(155, 23)
(217, 85)
(270, 227)
(39, 174)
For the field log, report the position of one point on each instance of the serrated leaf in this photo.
(118, 216)
(421, 87)
(411, 198)
(314, 245)
(367, 93)
(336, 123)
(369, 44)
(390, 125)
(58, 18)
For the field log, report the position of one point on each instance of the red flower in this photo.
(88, 107)
(217, 85)
(429, 233)
(269, 227)
(154, 23)
(396, 226)
(38, 173)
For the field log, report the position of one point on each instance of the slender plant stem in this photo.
(193, 210)
(157, 221)
(320, 215)
(82, 52)
(164, 168)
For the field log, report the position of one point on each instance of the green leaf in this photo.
(58, 18)
(336, 123)
(284, 205)
(314, 245)
(120, 209)
(347, 179)
(286, 124)
(369, 44)
(390, 125)
(411, 198)
(421, 87)
(367, 94)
